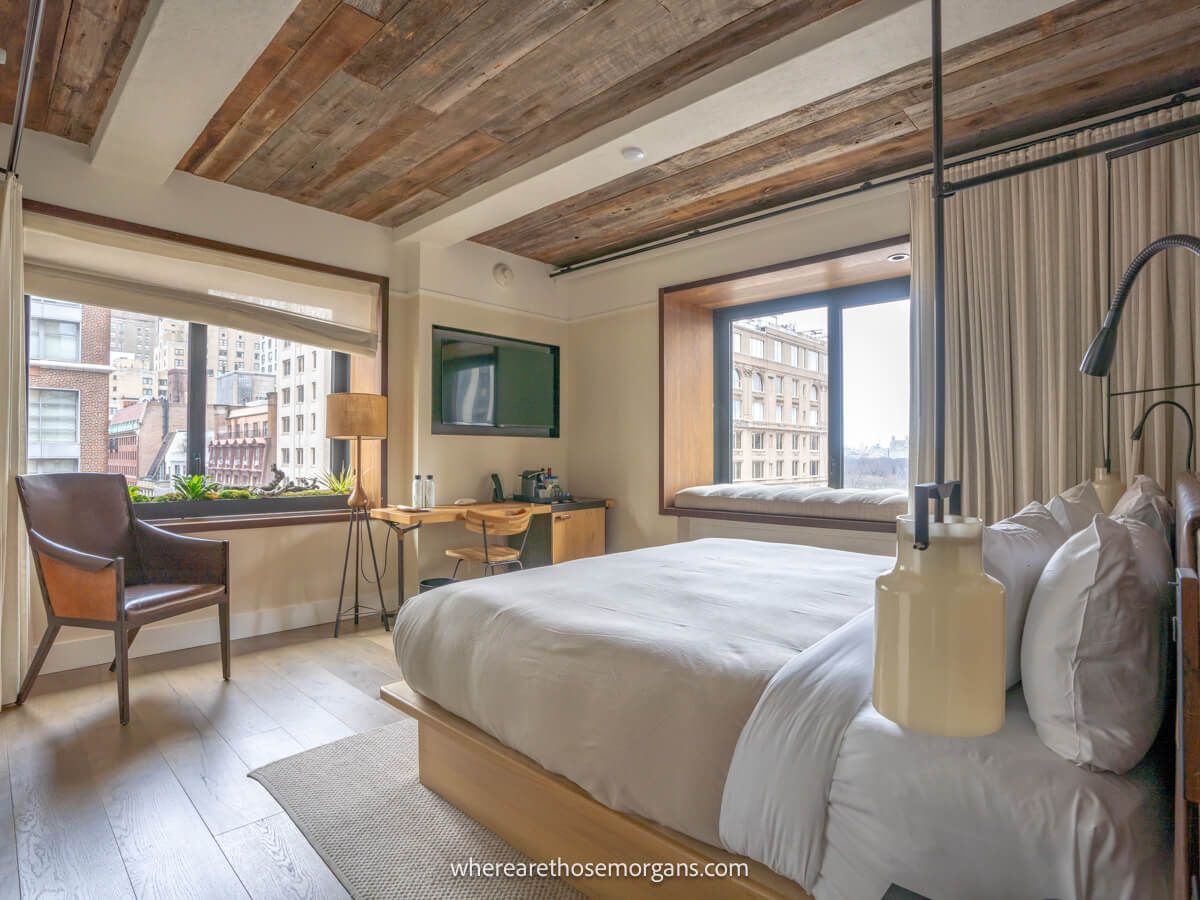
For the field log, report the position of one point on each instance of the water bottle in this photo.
(430, 492)
(418, 492)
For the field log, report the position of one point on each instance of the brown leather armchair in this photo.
(101, 567)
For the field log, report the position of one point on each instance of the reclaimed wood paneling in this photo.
(305, 19)
(1086, 58)
(338, 38)
(463, 90)
(83, 46)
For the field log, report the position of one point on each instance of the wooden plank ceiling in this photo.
(83, 45)
(1085, 58)
(383, 109)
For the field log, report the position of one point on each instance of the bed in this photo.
(550, 711)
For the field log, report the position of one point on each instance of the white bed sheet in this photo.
(631, 674)
(997, 817)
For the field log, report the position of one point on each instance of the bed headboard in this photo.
(1187, 692)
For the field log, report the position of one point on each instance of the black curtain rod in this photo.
(33, 31)
(1155, 133)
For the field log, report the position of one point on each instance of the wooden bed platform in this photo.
(547, 817)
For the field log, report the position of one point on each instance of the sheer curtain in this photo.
(14, 562)
(1027, 284)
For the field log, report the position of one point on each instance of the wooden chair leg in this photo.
(223, 618)
(35, 666)
(112, 667)
(122, 645)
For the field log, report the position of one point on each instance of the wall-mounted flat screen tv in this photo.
(486, 384)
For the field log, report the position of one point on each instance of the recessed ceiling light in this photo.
(633, 154)
(897, 257)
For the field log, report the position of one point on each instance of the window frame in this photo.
(835, 300)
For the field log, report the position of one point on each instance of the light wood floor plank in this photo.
(65, 844)
(206, 766)
(259, 749)
(309, 674)
(275, 861)
(163, 807)
(168, 851)
(300, 716)
(224, 703)
(10, 876)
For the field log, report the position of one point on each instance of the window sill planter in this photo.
(211, 509)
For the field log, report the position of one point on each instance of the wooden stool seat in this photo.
(493, 553)
(498, 523)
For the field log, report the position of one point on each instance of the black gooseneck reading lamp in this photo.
(1137, 432)
(1098, 359)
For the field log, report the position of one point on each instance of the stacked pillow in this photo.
(1015, 551)
(1149, 504)
(1092, 649)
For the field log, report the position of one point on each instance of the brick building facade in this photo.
(68, 386)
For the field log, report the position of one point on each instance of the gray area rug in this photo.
(383, 834)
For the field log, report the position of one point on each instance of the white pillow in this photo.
(1015, 550)
(1092, 652)
(1075, 507)
(1146, 502)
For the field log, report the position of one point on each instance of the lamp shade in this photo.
(939, 633)
(356, 416)
(1098, 359)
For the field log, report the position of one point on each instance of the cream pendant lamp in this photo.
(939, 618)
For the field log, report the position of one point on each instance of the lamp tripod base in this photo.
(360, 522)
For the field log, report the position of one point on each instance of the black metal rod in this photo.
(1155, 132)
(1155, 390)
(939, 260)
(1130, 139)
(33, 31)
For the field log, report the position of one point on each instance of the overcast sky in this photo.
(876, 368)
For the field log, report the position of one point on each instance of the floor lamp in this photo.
(361, 417)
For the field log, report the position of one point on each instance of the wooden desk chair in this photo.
(498, 523)
(101, 567)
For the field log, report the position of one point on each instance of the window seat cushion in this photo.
(881, 505)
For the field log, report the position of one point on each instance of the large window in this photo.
(152, 398)
(845, 354)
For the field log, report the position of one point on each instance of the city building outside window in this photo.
(756, 440)
(862, 443)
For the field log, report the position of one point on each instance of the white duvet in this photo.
(721, 688)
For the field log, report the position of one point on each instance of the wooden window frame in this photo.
(353, 373)
(688, 374)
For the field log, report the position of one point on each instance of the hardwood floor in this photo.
(163, 807)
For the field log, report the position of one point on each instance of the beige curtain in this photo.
(14, 563)
(1027, 284)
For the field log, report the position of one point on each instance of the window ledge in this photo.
(262, 520)
(785, 504)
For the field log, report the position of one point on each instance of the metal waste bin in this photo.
(428, 584)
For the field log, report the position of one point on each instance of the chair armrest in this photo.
(78, 585)
(178, 559)
(76, 559)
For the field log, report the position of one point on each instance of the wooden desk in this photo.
(559, 531)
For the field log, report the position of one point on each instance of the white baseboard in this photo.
(178, 634)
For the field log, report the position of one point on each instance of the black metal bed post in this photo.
(33, 31)
(939, 261)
